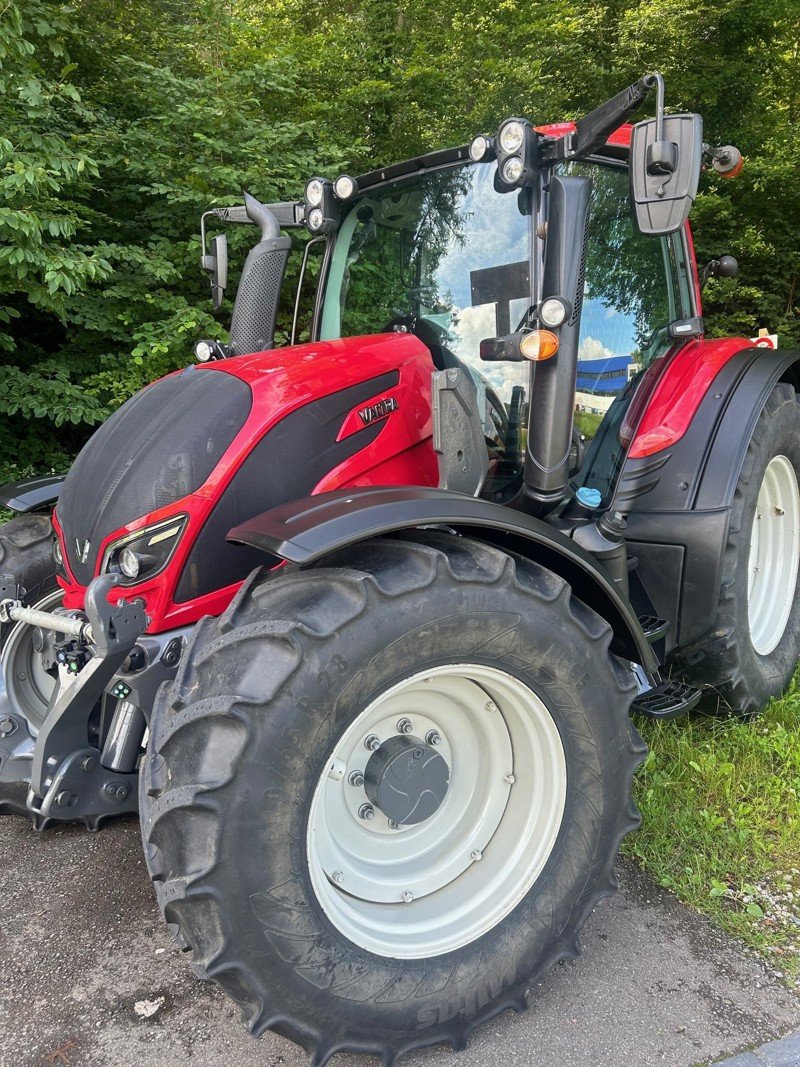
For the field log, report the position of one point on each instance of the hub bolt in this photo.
(88, 763)
(490, 705)
(366, 811)
(476, 855)
(7, 726)
(433, 737)
(408, 896)
(63, 799)
(394, 825)
(338, 877)
(509, 778)
(372, 742)
(356, 778)
(405, 726)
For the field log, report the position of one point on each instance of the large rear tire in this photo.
(751, 652)
(252, 824)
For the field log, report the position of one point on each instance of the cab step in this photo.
(667, 700)
(654, 628)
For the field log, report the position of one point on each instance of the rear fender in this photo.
(305, 531)
(678, 499)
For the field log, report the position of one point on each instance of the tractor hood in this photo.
(161, 445)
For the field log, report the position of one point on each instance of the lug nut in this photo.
(394, 825)
(509, 778)
(490, 705)
(405, 726)
(476, 855)
(372, 742)
(356, 778)
(408, 896)
(433, 737)
(366, 811)
(88, 763)
(7, 726)
(63, 799)
(338, 877)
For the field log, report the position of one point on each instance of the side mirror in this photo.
(724, 267)
(215, 265)
(665, 158)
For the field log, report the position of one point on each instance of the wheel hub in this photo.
(407, 779)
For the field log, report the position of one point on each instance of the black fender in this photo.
(33, 494)
(678, 500)
(306, 530)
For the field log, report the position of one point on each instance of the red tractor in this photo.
(357, 625)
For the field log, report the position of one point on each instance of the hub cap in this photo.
(28, 685)
(417, 847)
(774, 555)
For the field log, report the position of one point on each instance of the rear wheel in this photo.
(751, 652)
(383, 795)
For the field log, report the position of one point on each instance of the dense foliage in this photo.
(121, 123)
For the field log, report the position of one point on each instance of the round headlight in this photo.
(57, 556)
(512, 170)
(315, 219)
(345, 187)
(203, 351)
(511, 136)
(553, 311)
(314, 192)
(478, 147)
(129, 563)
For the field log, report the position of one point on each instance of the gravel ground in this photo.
(89, 976)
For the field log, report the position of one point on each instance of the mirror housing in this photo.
(723, 267)
(215, 264)
(665, 158)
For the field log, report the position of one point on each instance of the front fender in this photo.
(33, 494)
(304, 531)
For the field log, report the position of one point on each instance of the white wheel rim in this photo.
(28, 685)
(423, 890)
(774, 555)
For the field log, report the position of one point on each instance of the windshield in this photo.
(442, 254)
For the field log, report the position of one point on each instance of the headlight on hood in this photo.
(144, 554)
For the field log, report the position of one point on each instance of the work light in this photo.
(517, 153)
(345, 187)
(322, 207)
(553, 312)
(482, 148)
(314, 192)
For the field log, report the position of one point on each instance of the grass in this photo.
(720, 803)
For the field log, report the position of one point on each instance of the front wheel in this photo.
(384, 794)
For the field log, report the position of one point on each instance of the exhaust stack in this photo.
(552, 394)
(256, 306)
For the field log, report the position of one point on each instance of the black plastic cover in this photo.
(33, 494)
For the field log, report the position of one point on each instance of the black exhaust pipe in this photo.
(256, 306)
(552, 394)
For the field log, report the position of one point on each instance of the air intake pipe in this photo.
(256, 306)
(552, 394)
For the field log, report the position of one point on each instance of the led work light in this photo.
(322, 207)
(517, 152)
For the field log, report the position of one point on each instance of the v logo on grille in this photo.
(82, 550)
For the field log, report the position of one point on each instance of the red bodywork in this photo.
(281, 382)
(402, 453)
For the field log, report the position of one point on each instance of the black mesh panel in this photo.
(285, 464)
(158, 447)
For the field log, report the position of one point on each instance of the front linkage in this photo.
(99, 654)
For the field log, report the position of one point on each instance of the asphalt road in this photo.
(89, 976)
